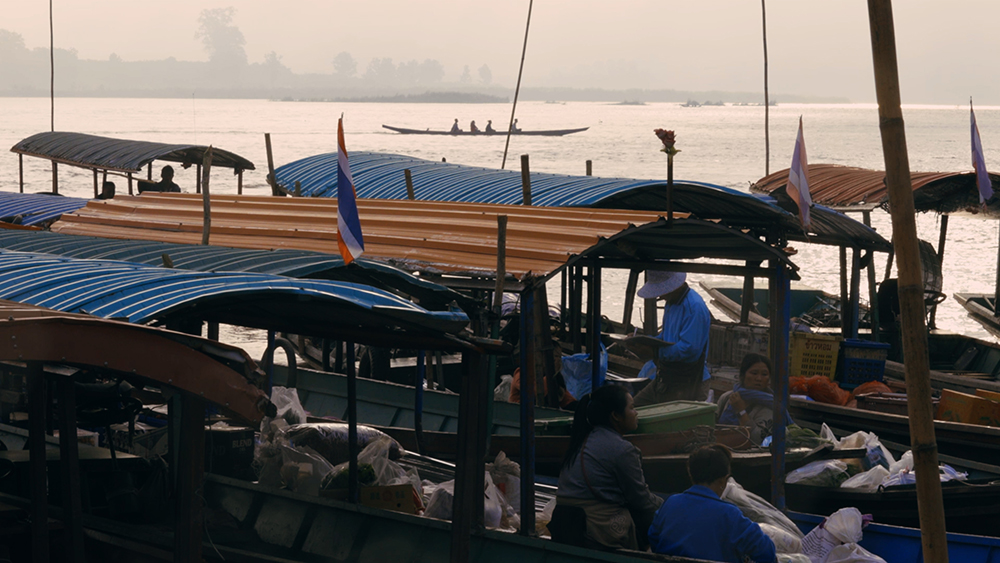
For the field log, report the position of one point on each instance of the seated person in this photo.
(515, 127)
(699, 524)
(751, 402)
(489, 126)
(455, 128)
(166, 183)
(473, 128)
(566, 400)
(107, 191)
(602, 473)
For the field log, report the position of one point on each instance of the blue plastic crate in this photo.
(860, 362)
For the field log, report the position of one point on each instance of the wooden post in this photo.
(55, 177)
(670, 187)
(872, 291)
(410, 194)
(352, 426)
(525, 181)
(996, 294)
(940, 255)
(780, 310)
(96, 189)
(149, 171)
(129, 183)
(888, 264)
(911, 284)
(190, 478)
(271, 181)
(239, 182)
(854, 309)
(418, 401)
(212, 331)
(20, 171)
(527, 362)
(205, 169)
(298, 189)
(544, 362)
(748, 295)
(633, 283)
(197, 181)
(497, 307)
(69, 462)
(501, 261)
(576, 306)
(39, 511)
(844, 295)
(467, 513)
(590, 168)
(326, 354)
(650, 323)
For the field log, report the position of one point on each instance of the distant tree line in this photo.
(25, 71)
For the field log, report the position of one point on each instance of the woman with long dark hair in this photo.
(602, 473)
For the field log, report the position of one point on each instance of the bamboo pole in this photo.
(96, 190)
(149, 171)
(55, 177)
(590, 168)
(872, 292)
(501, 261)
(20, 171)
(270, 166)
(129, 183)
(517, 88)
(52, 72)
(911, 288)
(206, 170)
(845, 297)
(239, 182)
(767, 99)
(525, 180)
(409, 185)
(197, 177)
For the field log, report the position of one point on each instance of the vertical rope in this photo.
(767, 99)
(517, 89)
(52, 72)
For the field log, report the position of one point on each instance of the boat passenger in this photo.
(473, 128)
(107, 191)
(166, 183)
(681, 372)
(751, 402)
(515, 128)
(602, 476)
(455, 128)
(489, 126)
(699, 524)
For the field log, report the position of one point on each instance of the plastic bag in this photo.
(877, 454)
(506, 476)
(303, 470)
(577, 372)
(495, 513)
(290, 411)
(330, 439)
(826, 473)
(852, 553)
(374, 468)
(440, 504)
(843, 526)
(798, 385)
(824, 390)
(793, 558)
(870, 480)
(784, 542)
(905, 463)
(502, 391)
(758, 509)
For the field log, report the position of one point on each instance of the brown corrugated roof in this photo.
(832, 184)
(430, 236)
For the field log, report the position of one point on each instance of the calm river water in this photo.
(720, 145)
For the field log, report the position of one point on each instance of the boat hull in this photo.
(539, 133)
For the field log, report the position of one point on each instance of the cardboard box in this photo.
(970, 409)
(991, 395)
(398, 498)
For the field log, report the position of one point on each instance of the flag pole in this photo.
(930, 505)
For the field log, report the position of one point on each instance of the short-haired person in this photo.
(165, 185)
(699, 524)
(751, 402)
(602, 472)
(681, 371)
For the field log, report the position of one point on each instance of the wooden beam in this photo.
(352, 425)
(780, 297)
(190, 479)
(36, 462)
(748, 294)
(239, 182)
(873, 315)
(940, 256)
(97, 191)
(205, 168)
(630, 288)
(594, 327)
(55, 177)
(410, 194)
(854, 309)
(69, 464)
(467, 512)
(525, 180)
(590, 168)
(690, 267)
(271, 181)
(129, 183)
(20, 172)
(527, 363)
(844, 295)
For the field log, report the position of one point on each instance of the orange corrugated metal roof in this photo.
(832, 184)
(445, 236)
(425, 235)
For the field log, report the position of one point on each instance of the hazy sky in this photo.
(947, 49)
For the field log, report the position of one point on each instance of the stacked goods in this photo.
(969, 409)
(814, 354)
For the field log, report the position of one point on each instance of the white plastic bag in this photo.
(303, 469)
(826, 473)
(440, 504)
(286, 399)
(506, 475)
(843, 526)
(493, 504)
(870, 480)
(852, 553)
(784, 542)
(905, 463)
(502, 391)
(758, 509)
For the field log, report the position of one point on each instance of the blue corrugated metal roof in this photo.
(283, 262)
(36, 208)
(140, 293)
(380, 176)
(105, 153)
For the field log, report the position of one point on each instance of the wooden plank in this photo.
(525, 180)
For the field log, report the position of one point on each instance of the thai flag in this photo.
(798, 178)
(979, 161)
(349, 238)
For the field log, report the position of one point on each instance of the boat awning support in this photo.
(39, 512)
(470, 480)
(781, 300)
(527, 363)
(872, 291)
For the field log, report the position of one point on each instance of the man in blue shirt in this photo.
(699, 524)
(681, 372)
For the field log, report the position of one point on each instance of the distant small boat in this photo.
(544, 133)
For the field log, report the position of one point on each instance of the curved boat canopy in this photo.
(33, 209)
(426, 236)
(846, 186)
(381, 176)
(280, 262)
(143, 294)
(105, 153)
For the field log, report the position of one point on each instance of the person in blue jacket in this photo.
(681, 371)
(699, 524)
